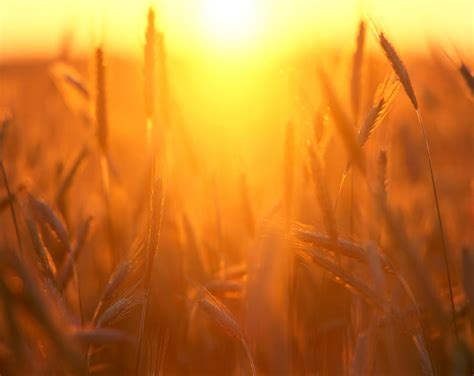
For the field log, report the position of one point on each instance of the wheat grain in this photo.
(398, 67)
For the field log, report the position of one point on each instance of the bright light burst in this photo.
(230, 21)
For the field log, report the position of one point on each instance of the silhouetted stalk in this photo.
(440, 221)
(12, 208)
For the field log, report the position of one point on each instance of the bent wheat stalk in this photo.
(218, 312)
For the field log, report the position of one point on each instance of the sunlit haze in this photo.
(226, 26)
(236, 187)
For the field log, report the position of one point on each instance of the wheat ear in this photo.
(157, 195)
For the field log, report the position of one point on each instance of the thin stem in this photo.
(78, 291)
(105, 177)
(141, 329)
(12, 208)
(352, 204)
(341, 184)
(440, 222)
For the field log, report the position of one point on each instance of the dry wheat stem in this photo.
(289, 171)
(12, 208)
(73, 255)
(149, 64)
(68, 179)
(249, 218)
(101, 336)
(382, 103)
(400, 241)
(402, 73)
(357, 70)
(440, 221)
(382, 173)
(101, 101)
(149, 78)
(322, 193)
(288, 196)
(342, 122)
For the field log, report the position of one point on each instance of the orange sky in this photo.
(28, 26)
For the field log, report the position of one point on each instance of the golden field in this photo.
(305, 214)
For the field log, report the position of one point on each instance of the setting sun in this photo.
(229, 21)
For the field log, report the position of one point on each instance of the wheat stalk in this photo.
(357, 62)
(65, 273)
(37, 301)
(322, 194)
(342, 122)
(102, 132)
(382, 179)
(157, 196)
(249, 218)
(288, 181)
(69, 176)
(341, 276)
(120, 273)
(398, 67)
(400, 241)
(149, 74)
(101, 336)
(381, 106)
(101, 101)
(402, 73)
(219, 313)
(12, 208)
(467, 76)
(13, 332)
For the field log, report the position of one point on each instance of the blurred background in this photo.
(205, 27)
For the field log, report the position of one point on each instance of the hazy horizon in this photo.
(29, 28)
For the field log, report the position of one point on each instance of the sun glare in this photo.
(230, 21)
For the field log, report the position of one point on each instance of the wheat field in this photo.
(320, 223)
